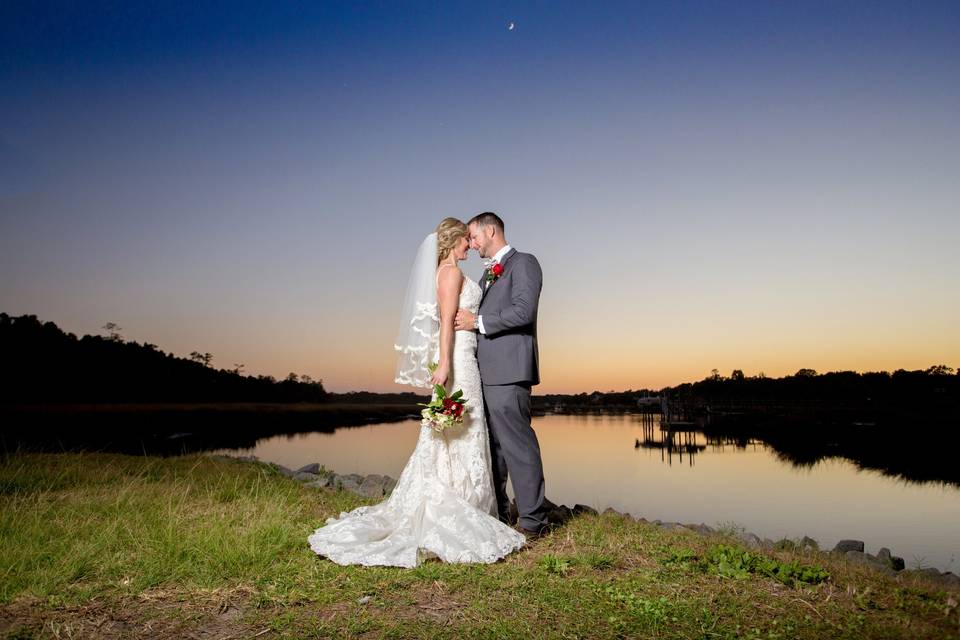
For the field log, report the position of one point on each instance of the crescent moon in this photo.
(511, 26)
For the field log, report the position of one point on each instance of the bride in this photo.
(443, 505)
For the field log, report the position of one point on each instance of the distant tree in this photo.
(305, 379)
(203, 358)
(116, 370)
(292, 377)
(940, 370)
(238, 368)
(736, 374)
(806, 373)
(715, 375)
(113, 331)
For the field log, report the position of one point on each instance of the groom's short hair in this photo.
(488, 219)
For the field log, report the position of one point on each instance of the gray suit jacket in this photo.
(507, 353)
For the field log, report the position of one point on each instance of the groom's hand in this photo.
(464, 320)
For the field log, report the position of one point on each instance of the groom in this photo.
(508, 359)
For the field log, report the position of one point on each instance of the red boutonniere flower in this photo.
(494, 272)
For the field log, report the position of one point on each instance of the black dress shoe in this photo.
(529, 534)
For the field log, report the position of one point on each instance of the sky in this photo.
(764, 186)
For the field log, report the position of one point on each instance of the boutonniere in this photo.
(494, 272)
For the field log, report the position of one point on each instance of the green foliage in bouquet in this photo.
(442, 411)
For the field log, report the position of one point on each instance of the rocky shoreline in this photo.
(317, 476)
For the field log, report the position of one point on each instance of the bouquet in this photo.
(443, 411)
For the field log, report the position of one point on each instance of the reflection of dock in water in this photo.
(679, 437)
(672, 441)
(674, 415)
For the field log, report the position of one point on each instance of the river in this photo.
(594, 460)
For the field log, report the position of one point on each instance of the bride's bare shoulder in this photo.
(449, 277)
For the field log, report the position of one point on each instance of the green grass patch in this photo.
(736, 562)
(114, 546)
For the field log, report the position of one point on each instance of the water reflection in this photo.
(898, 488)
(676, 442)
(687, 476)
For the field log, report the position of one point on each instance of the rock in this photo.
(642, 520)
(808, 543)
(947, 578)
(701, 528)
(891, 561)
(582, 508)
(927, 572)
(388, 485)
(313, 467)
(363, 600)
(849, 545)
(301, 476)
(323, 482)
(766, 543)
(349, 482)
(285, 471)
(950, 579)
(372, 486)
(859, 557)
(611, 510)
(672, 526)
(751, 540)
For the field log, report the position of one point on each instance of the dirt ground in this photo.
(154, 615)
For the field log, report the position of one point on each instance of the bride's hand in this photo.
(440, 375)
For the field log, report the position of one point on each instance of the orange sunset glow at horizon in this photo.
(767, 189)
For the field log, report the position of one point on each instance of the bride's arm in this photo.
(448, 295)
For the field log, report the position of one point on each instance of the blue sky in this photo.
(764, 186)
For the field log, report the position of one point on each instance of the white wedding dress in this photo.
(443, 505)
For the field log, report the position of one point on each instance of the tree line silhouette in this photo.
(903, 423)
(836, 396)
(43, 364)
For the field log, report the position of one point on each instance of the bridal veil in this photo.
(419, 335)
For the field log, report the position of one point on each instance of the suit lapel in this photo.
(483, 278)
(507, 256)
(483, 285)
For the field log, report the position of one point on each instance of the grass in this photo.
(99, 545)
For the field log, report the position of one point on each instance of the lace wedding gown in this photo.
(443, 505)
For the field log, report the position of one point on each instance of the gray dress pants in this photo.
(515, 451)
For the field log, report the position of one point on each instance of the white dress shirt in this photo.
(496, 258)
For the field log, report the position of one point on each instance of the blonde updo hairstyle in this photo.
(449, 233)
